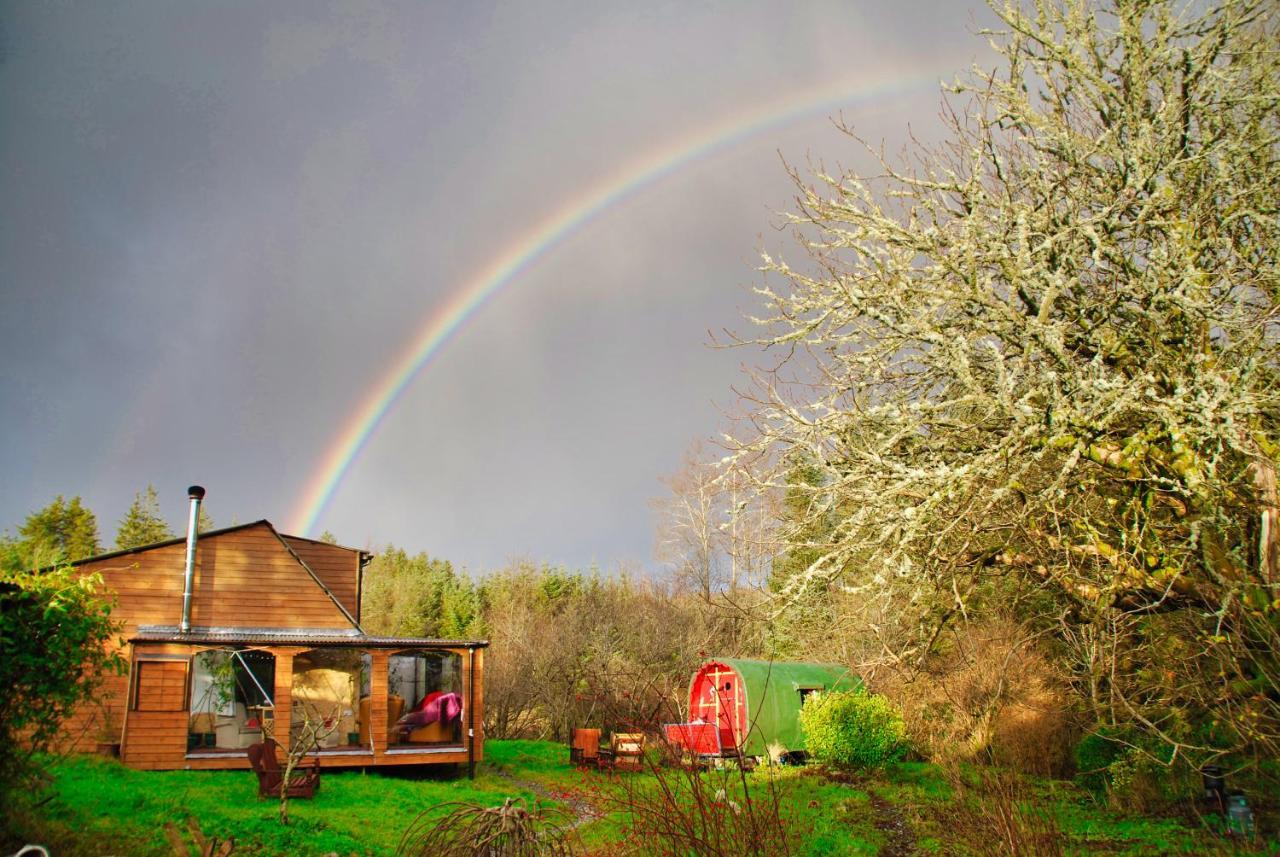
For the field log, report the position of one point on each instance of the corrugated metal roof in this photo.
(317, 637)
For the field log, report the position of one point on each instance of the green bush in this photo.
(55, 631)
(1131, 771)
(1094, 755)
(853, 729)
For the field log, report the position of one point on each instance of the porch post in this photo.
(283, 697)
(471, 712)
(378, 659)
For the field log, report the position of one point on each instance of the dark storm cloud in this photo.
(221, 222)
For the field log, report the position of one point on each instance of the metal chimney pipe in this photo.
(196, 494)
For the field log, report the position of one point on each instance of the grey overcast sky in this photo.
(221, 222)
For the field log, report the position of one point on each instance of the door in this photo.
(719, 698)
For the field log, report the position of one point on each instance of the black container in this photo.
(1214, 780)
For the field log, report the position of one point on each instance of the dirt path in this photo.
(900, 837)
(582, 811)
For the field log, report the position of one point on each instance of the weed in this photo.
(510, 830)
(997, 815)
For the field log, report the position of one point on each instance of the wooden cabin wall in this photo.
(244, 578)
(99, 719)
(157, 739)
(337, 567)
(248, 579)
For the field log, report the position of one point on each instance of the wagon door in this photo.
(719, 698)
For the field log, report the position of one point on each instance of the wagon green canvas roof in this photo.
(773, 690)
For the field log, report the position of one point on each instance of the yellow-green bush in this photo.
(853, 729)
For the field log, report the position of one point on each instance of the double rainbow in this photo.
(554, 229)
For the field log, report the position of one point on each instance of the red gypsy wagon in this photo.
(742, 707)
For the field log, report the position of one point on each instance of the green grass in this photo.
(100, 807)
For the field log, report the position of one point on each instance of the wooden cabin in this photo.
(245, 632)
(740, 707)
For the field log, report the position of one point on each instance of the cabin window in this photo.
(160, 685)
(232, 698)
(805, 691)
(331, 699)
(424, 706)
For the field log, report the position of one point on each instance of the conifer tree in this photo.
(204, 522)
(142, 524)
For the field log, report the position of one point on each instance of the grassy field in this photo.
(909, 808)
(99, 807)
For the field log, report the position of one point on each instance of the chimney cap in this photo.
(195, 492)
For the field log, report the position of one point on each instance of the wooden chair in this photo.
(625, 752)
(304, 782)
(584, 747)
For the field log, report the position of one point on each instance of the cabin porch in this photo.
(199, 700)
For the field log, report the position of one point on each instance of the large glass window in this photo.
(232, 701)
(331, 697)
(424, 706)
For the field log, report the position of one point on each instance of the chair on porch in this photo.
(304, 782)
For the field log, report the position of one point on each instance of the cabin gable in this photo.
(244, 577)
(338, 568)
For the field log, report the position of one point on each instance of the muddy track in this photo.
(900, 838)
(582, 812)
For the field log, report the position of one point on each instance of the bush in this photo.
(55, 631)
(1131, 771)
(853, 729)
(463, 829)
(1094, 755)
(991, 692)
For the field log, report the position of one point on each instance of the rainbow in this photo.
(444, 322)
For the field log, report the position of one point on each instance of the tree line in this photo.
(67, 530)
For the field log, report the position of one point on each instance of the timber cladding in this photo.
(337, 567)
(271, 598)
(159, 718)
(244, 577)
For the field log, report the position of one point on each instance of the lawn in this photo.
(102, 807)
(99, 807)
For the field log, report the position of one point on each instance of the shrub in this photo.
(55, 633)
(991, 693)
(464, 829)
(1131, 771)
(1094, 754)
(853, 729)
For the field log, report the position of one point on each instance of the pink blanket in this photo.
(446, 708)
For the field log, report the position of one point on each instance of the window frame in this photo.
(464, 679)
(135, 680)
